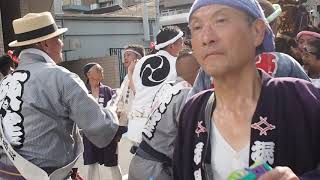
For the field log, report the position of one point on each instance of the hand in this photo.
(117, 138)
(81, 132)
(132, 65)
(279, 173)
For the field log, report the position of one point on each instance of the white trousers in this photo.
(101, 172)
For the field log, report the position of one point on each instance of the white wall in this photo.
(96, 37)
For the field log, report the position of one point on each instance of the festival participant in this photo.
(154, 155)
(8, 63)
(302, 39)
(121, 102)
(249, 116)
(275, 64)
(100, 162)
(149, 74)
(41, 104)
(311, 59)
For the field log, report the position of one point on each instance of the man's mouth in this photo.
(213, 53)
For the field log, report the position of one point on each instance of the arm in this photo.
(97, 124)
(121, 129)
(130, 76)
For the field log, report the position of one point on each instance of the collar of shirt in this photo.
(38, 52)
(165, 53)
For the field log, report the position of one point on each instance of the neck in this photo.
(94, 84)
(314, 75)
(171, 52)
(238, 89)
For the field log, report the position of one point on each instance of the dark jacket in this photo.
(291, 105)
(108, 155)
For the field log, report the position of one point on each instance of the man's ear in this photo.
(258, 28)
(43, 45)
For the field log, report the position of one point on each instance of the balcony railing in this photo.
(103, 1)
(75, 7)
(170, 12)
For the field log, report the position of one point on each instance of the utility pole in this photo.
(157, 16)
(145, 20)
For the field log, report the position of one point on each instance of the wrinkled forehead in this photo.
(129, 51)
(306, 38)
(132, 52)
(97, 67)
(205, 13)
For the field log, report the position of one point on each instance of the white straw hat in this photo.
(34, 28)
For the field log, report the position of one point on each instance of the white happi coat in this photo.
(150, 73)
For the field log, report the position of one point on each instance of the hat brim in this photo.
(39, 39)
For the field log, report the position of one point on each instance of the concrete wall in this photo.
(94, 36)
(109, 63)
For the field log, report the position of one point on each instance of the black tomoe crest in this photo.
(154, 71)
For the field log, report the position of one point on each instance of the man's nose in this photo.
(209, 35)
(61, 43)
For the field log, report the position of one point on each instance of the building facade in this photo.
(93, 36)
(90, 37)
(175, 12)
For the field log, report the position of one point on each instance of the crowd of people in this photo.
(231, 98)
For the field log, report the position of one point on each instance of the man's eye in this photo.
(221, 20)
(195, 28)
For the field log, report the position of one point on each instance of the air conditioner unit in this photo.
(72, 44)
(94, 6)
(103, 1)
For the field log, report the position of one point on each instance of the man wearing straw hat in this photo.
(41, 103)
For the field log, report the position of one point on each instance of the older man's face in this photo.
(53, 48)
(223, 39)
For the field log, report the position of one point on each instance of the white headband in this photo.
(171, 41)
(94, 66)
(91, 68)
(131, 50)
(275, 14)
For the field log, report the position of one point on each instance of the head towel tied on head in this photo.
(171, 41)
(310, 33)
(87, 68)
(251, 7)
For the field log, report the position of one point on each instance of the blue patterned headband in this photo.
(251, 7)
